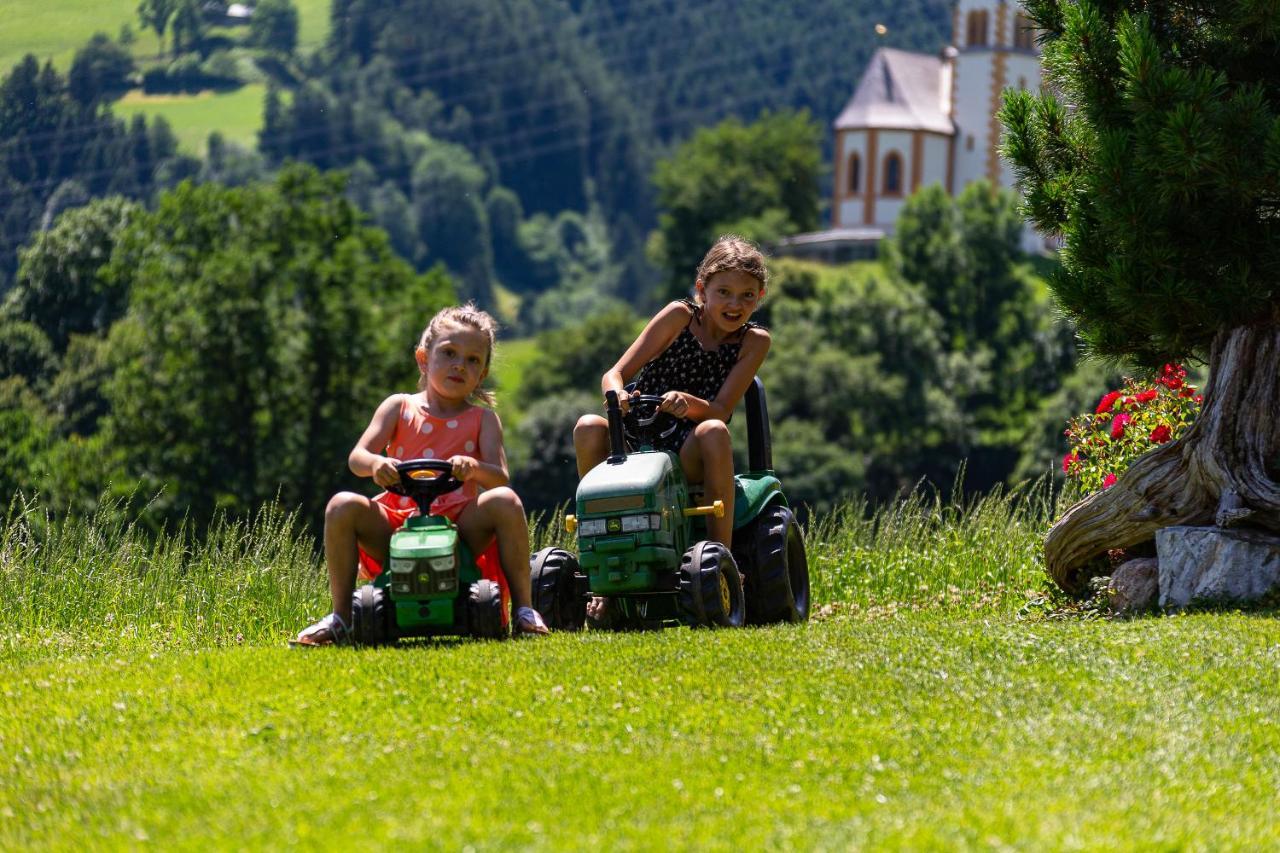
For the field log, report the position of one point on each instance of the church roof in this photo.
(902, 91)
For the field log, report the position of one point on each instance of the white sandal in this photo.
(329, 631)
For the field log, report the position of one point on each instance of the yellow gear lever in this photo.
(716, 509)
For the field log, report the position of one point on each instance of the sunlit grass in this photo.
(148, 697)
(56, 29)
(236, 114)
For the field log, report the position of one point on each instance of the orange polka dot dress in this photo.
(421, 435)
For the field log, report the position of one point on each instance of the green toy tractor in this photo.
(430, 586)
(642, 539)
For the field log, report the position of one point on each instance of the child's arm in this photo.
(490, 474)
(755, 346)
(366, 459)
(657, 336)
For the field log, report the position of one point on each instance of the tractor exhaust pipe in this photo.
(617, 441)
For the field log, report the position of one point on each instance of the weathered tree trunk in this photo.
(1224, 470)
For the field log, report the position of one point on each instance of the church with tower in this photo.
(917, 119)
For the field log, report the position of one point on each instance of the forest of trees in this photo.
(199, 335)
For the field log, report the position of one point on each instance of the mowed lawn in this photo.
(55, 29)
(926, 729)
(237, 115)
(148, 696)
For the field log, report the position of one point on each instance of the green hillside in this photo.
(237, 114)
(54, 29)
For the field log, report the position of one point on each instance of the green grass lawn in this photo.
(237, 114)
(313, 22)
(925, 730)
(148, 696)
(55, 29)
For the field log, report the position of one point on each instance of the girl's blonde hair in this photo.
(455, 317)
(732, 252)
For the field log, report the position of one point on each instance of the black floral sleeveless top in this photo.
(686, 366)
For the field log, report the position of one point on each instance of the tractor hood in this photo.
(606, 487)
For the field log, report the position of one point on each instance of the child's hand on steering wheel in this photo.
(625, 400)
(464, 467)
(384, 471)
(675, 403)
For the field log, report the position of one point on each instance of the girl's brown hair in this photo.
(460, 316)
(732, 252)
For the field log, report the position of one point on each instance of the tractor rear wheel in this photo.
(711, 588)
(553, 575)
(484, 611)
(372, 616)
(774, 567)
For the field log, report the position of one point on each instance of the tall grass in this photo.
(260, 579)
(927, 549)
(241, 581)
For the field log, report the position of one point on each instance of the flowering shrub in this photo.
(1126, 424)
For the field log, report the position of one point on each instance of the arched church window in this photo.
(1024, 34)
(976, 33)
(893, 174)
(855, 173)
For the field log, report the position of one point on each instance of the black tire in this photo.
(371, 616)
(484, 611)
(711, 588)
(775, 570)
(553, 577)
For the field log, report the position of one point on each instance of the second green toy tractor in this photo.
(642, 542)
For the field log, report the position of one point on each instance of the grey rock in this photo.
(1134, 585)
(1213, 564)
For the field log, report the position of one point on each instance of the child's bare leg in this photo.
(707, 456)
(499, 512)
(590, 442)
(351, 520)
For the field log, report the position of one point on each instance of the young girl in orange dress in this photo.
(441, 421)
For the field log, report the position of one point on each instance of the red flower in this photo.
(1108, 481)
(1199, 398)
(1147, 396)
(1069, 460)
(1161, 434)
(1172, 375)
(1107, 401)
(1118, 425)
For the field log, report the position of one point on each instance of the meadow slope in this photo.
(148, 695)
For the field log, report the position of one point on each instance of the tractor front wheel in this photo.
(711, 588)
(484, 611)
(372, 620)
(553, 575)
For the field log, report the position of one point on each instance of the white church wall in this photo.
(934, 168)
(851, 206)
(972, 115)
(892, 142)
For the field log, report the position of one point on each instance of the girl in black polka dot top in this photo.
(699, 355)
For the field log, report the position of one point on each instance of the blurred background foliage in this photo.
(193, 323)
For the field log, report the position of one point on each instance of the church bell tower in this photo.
(995, 49)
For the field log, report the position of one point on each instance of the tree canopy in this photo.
(1155, 154)
(758, 180)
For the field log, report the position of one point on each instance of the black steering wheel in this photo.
(424, 480)
(643, 419)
